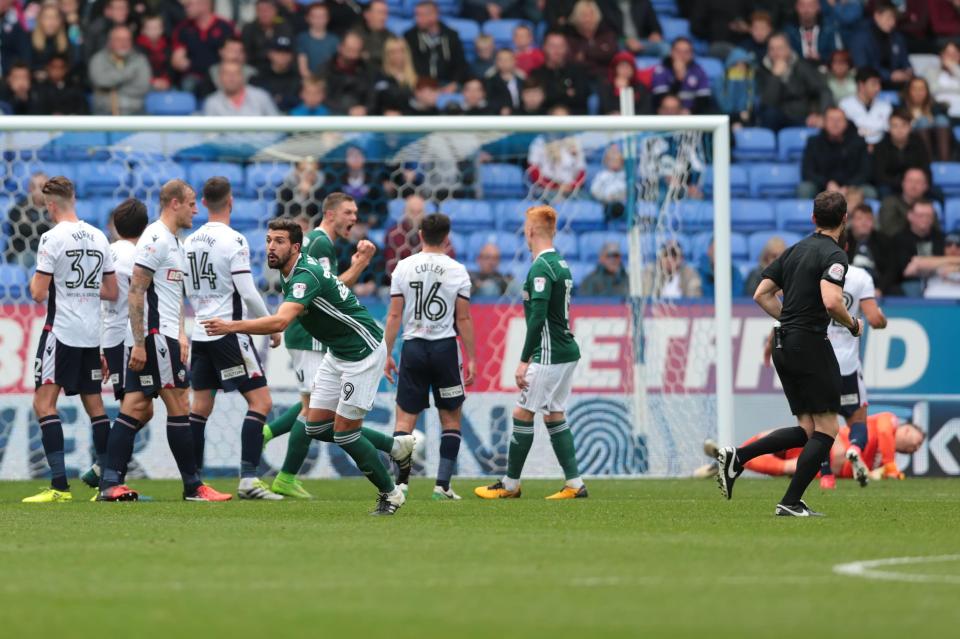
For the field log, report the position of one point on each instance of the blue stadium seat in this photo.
(645, 62)
(101, 178)
(446, 99)
(468, 30)
(457, 240)
(751, 215)
(699, 243)
(502, 31)
(17, 174)
(397, 25)
(511, 245)
(713, 68)
(567, 245)
(397, 8)
(580, 215)
(794, 215)
(946, 175)
(502, 181)
(200, 172)
(593, 104)
(445, 7)
(256, 240)
(89, 211)
(152, 175)
(580, 270)
(264, 178)
(170, 103)
(250, 214)
(754, 144)
(951, 220)
(774, 180)
(674, 28)
(757, 240)
(592, 242)
(739, 181)
(510, 214)
(695, 215)
(665, 7)
(395, 209)
(468, 215)
(893, 97)
(379, 237)
(14, 282)
(791, 142)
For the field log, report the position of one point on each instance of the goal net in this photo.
(639, 210)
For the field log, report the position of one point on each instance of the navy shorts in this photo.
(116, 357)
(75, 369)
(162, 370)
(426, 365)
(230, 363)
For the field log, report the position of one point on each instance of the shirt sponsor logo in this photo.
(836, 272)
(850, 400)
(96, 375)
(174, 276)
(233, 371)
(324, 262)
(299, 290)
(539, 284)
(452, 391)
(146, 380)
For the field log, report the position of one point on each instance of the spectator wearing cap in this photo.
(791, 92)
(316, 46)
(120, 76)
(267, 26)
(235, 97)
(869, 114)
(60, 93)
(487, 280)
(720, 22)
(592, 43)
(280, 77)
(528, 56)
(866, 247)
(348, 78)
(313, 94)
(901, 149)
(14, 40)
(877, 44)
(621, 74)
(231, 51)
(679, 74)
(922, 238)
(197, 41)
(505, 83)
(18, 91)
(894, 208)
(671, 277)
(396, 79)
(563, 82)
(813, 36)
(835, 159)
(154, 44)
(942, 274)
(609, 278)
(374, 32)
(840, 76)
(436, 48)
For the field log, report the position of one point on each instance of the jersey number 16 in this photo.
(433, 307)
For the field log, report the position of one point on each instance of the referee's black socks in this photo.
(814, 452)
(773, 442)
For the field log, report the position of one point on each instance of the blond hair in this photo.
(175, 189)
(576, 15)
(39, 39)
(542, 219)
(407, 76)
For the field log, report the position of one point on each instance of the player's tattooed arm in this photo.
(136, 298)
(268, 325)
(184, 340)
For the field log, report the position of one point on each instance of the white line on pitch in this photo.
(867, 569)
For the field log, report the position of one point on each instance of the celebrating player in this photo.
(129, 220)
(547, 363)
(157, 361)
(346, 383)
(811, 275)
(431, 292)
(306, 351)
(74, 272)
(219, 284)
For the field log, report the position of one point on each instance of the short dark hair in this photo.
(216, 191)
(901, 114)
(863, 207)
(130, 218)
(829, 209)
(290, 225)
(435, 228)
(60, 187)
(882, 6)
(334, 200)
(867, 73)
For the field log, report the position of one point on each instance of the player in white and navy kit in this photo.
(219, 284)
(858, 295)
(431, 292)
(74, 272)
(157, 361)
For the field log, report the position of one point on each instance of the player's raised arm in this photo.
(359, 262)
(268, 325)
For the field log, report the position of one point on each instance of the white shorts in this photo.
(548, 387)
(305, 366)
(349, 388)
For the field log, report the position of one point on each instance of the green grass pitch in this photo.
(638, 559)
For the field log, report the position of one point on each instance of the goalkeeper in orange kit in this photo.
(886, 436)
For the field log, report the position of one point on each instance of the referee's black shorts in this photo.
(808, 370)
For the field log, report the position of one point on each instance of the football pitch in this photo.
(645, 558)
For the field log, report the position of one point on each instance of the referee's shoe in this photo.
(726, 459)
(800, 509)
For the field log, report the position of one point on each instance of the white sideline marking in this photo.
(868, 570)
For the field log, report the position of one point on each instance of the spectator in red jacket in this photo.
(944, 20)
(156, 46)
(529, 57)
(197, 41)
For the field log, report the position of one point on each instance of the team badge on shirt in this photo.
(299, 290)
(836, 272)
(539, 284)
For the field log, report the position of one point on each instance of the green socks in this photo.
(365, 455)
(562, 440)
(323, 431)
(284, 423)
(380, 441)
(297, 448)
(520, 443)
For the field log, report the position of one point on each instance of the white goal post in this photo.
(716, 126)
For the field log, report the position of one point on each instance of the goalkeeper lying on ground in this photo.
(886, 436)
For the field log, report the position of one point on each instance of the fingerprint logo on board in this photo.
(605, 441)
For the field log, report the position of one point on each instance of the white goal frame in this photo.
(717, 125)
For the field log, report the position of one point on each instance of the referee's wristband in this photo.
(855, 329)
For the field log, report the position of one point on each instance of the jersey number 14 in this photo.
(202, 270)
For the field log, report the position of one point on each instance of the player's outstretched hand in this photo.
(470, 374)
(390, 370)
(138, 358)
(216, 326)
(521, 375)
(275, 340)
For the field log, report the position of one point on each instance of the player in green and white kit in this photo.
(347, 380)
(547, 363)
(339, 216)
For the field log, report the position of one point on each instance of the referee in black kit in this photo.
(810, 273)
